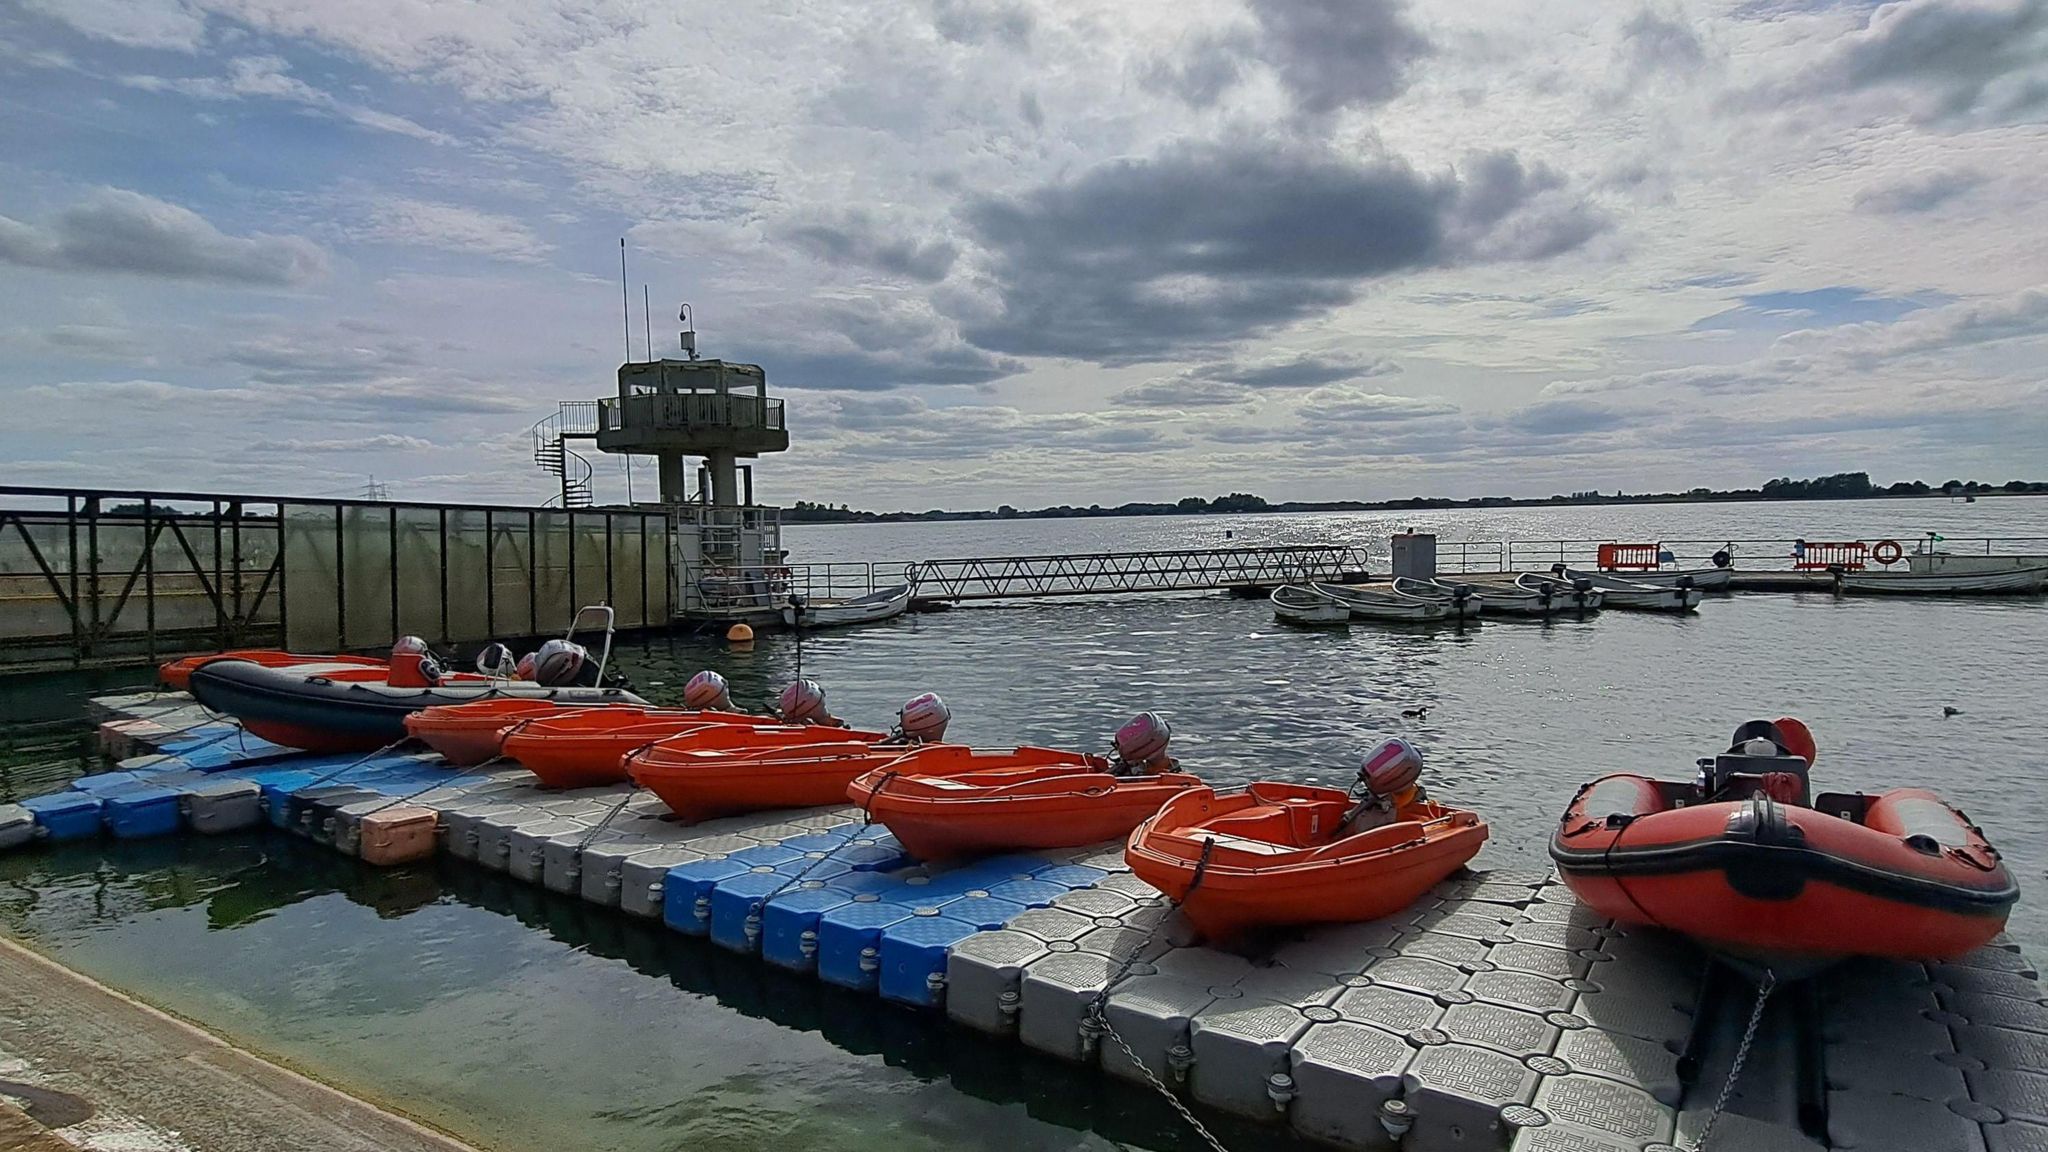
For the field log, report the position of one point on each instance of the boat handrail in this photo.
(609, 617)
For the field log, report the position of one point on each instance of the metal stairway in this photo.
(552, 454)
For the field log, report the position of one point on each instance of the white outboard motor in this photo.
(923, 719)
(496, 660)
(707, 692)
(804, 703)
(562, 663)
(524, 669)
(1141, 745)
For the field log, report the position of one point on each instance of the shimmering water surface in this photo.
(525, 1022)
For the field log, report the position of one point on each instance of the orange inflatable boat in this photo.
(1281, 854)
(177, 674)
(946, 800)
(698, 783)
(589, 747)
(469, 734)
(1740, 861)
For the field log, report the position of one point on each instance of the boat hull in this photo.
(1790, 888)
(943, 802)
(1704, 579)
(347, 712)
(176, 675)
(1290, 879)
(1384, 607)
(466, 735)
(2010, 582)
(702, 784)
(582, 751)
(1294, 604)
(864, 610)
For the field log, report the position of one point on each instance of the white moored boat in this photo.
(1616, 592)
(1297, 604)
(1376, 604)
(1704, 579)
(877, 605)
(1461, 599)
(1555, 594)
(2011, 582)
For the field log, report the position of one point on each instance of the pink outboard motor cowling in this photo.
(923, 719)
(1391, 768)
(524, 669)
(560, 663)
(1141, 743)
(707, 692)
(803, 703)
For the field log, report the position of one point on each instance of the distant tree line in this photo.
(1840, 486)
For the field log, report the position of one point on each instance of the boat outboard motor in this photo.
(923, 719)
(524, 669)
(1760, 760)
(1390, 778)
(707, 691)
(412, 665)
(496, 660)
(804, 703)
(564, 664)
(1141, 746)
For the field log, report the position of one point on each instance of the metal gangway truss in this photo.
(1109, 573)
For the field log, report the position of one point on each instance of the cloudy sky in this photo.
(1013, 251)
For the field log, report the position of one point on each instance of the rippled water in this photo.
(532, 1022)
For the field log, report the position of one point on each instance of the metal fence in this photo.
(1759, 554)
(1003, 577)
(104, 575)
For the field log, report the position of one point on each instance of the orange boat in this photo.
(469, 734)
(1740, 861)
(177, 674)
(699, 783)
(589, 747)
(947, 800)
(1280, 854)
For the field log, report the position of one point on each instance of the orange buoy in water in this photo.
(740, 633)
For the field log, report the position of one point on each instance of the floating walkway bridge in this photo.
(1107, 573)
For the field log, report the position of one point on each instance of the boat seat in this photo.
(1241, 843)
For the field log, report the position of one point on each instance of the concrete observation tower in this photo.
(679, 411)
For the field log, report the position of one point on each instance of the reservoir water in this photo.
(528, 1023)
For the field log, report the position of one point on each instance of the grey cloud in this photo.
(1355, 405)
(119, 231)
(1564, 417)
(1202, 72)
(1991, 58)
(1030, 110)
(1303, 371)
(1328, 54)
(1333, 54)
(1653, 43)
(1919, 193)
(1205, 244)
(857, 239)
(1181, 392)
(874, 342)
(971, 22)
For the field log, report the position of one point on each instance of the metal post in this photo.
(340, 581)
(391, 568)
(572, 560)
(92, 570)
(71, 548)
(149, 578)
(643, 571)
(444, 577)
(283, 598)
(609, 597)
(220, 608)
(532, 575)
(235, 569)
(490, 575)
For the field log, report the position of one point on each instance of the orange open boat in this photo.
(946, 800)
(589, 746)
(1277, 854)
(469, 734)
(177, 674)
(698, 783)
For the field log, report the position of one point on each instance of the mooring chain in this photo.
(867, 820)
(1097, 1018)
(1756, 1016)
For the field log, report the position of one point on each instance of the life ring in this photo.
(1887, 552)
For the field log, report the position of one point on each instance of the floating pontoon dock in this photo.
(1496, 1013)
